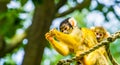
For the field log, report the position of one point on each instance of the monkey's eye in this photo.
(97, 33)
(66, 28)
(100, 34)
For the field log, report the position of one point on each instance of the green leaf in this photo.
(23, 2)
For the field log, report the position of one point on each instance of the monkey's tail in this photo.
(113, 61)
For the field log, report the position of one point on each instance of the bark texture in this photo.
(43, 16)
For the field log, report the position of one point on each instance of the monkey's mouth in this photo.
(66, 32)
(98, 39)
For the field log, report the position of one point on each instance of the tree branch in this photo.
(110, 39)
(115, 13)
(111, 8)
(14, 43)
(60, 4)
(79, 6)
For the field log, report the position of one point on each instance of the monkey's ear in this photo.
(72, 21)
(92, 28)
(107, 34)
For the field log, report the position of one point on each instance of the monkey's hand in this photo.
(53, 31)
(48, 36)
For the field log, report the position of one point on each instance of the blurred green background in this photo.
(23, 24)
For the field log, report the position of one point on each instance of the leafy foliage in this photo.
(86, 12)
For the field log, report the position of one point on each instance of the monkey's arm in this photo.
(65, 38)
(59, 46)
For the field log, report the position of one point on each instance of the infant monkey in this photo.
(102, 34)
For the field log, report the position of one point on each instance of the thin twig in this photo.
(79, 6)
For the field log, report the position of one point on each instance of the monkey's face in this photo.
(99, 35)
(66, 28)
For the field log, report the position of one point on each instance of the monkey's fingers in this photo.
(49, 37)
(52, 31)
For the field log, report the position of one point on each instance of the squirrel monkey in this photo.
(71, 39)
(102, 34)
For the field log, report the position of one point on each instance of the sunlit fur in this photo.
(76, 41)
(102, 34)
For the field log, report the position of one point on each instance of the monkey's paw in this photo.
(48, 36)
(52, 31)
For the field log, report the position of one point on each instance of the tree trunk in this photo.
(43, 16)
(3, 9)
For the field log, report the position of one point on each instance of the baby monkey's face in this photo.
(99, 35)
